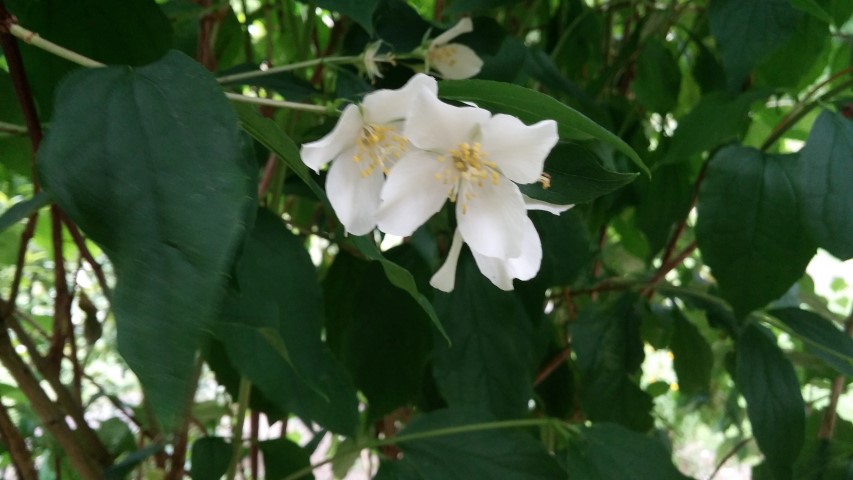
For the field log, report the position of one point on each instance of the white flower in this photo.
(474, 159)
(362, 147)
(453, 61)
(500, 272)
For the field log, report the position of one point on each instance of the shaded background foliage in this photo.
(145, 296)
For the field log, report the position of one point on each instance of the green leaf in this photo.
(774, 404)
(808, 48)
(823, 185)
(812, 7)
(576, 177)
(717, 118)
(566, 247)
(149, 163)
(489, 364)
(272, 330)
(210, 457)
(399, 277)
(663, 201)
(658, 77)
(122, 469)
(23, 209)
(607, 343)
(748, 32)
(378, 331)
(748, 227)
(91, 28)
(282, 457)
(268, 134)
(693, 356)
(822, 458)
(822, 337)
(531, 106)
(454, 453)
(359, 10)
(468, 6)
(611, 452)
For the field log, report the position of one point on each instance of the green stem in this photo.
(237, 428)
(280, 103)
(35, 40)
(289, 67)
(441, 432)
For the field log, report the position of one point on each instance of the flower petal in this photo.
(501, 272)
(518, 150)
(436, 126)
(386, 106)
(445, 278)
(343, 136)
(536, 204)
(354, 197)
(491, 218)
(456, 61)
(411, 194)
(462, 26)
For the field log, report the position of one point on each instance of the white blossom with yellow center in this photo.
(363, 146)
(453, 61)
(475, 159)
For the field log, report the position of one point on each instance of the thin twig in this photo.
(87, 254)
(553, 365)
(15, 444)
(827, 425)
(279, 103)
(729, 455)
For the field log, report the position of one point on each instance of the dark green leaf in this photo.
(149, 163)
(566, 247)
(808, 48)
(664, 201)
(812, 7)
(823, 184)
(286, 84)
(400, 25)
(378, 331)
(822, 458)
(822, 337)
(748, 32)
(489, 453)
(282, 457)
(607, 343)
(531, 106)
(399, 277)
(489, 364)
(717, 118)
(468, 6)
(210, 457)
(122, 469)
(773, 400)
(658, 77)
(748, 227)
(116, 436)
(359, 10)
(91, 28)
(610, 452)
(576, 177)
(693, 356)
(24, 209)
(272, 330)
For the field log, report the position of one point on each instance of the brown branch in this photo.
(26, 236)
(16, 446)
(50, 416)
(827, 425)
(62, 297)
(729, 455)
(80, 242)
(22, 86)
(254, 451)
(553, 365)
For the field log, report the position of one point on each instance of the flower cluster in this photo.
(401, 154)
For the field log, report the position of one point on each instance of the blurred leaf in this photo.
(378, 331)
(272, 330)
(566, 247)
(123, 159)
(359, 10)
(658, 77)
(825, 459)
(693, 356)
(606, 340)
(531, 106)
(773, 399)
(498, 453)
(748, 32)
(663, 201)
(576, 176)
(400, 25)
(116, 436)
(611, 452)
(468, 6)
(286, 84)
(812, 7)
(808, 48)
(209, 458)
(23, 209)
(826, 199)
(90, 28)
(282, 457)
(122, 469)
(822, 337)
(748, 227)
(488, 365)
(717, 119)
